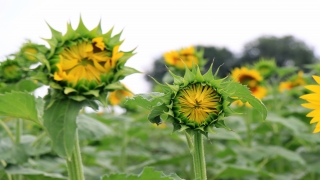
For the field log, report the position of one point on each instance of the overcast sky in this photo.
(157, 26)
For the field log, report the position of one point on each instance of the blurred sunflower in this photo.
(117, 96)
(184, 57)
(10, 71)
(266, 67)
(251, 78)
(314, 103)
(295, 81)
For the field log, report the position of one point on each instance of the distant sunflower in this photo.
(182, 57)
(251, 78)
(10, 71)
(293, 82)
(117, 96)
(314, 103)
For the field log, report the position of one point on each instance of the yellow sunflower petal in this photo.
(315, 119)
(317, 79)
(313, 88)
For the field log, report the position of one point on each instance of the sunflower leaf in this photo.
(147, 174)
(19, 105)
(154, 116)
(147, 101)
(60, 122)
(241, 92)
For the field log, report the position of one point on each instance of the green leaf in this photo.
(154, 116)
(23, 85)
(148, 173)
(145, 100)
(33, 174)
(235, 171)
(91, 129)
(60, 122)
(19, 105)
(241, 92)
(12, 152)
(291, 123)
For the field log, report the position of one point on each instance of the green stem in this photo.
(6, 128)
(18, 130)
(74, 165)
(248, 124)
(199, 163)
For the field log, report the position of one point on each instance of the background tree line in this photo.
(286, 50)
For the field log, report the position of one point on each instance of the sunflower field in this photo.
(194, 125)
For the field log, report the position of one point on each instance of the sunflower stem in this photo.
(199, 163)
(248, 124)
(18, 130)
(9, 132)
(74, 165)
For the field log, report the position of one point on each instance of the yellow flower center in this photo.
(86, 61)
(197, 102)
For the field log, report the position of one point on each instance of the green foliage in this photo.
(60, 122)
(20, 105)
(147, 174)
(241, 92)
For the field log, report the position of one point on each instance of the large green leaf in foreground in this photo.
(241, 92)
(147, 174)
(60, 121)
(20, 105)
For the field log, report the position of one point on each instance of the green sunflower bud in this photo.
(266, 67)
(30, 51)
(10, 71)
(196, 102)
(86, 64)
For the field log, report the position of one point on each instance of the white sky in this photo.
(156, 26)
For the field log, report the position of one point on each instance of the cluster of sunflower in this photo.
(17, 66)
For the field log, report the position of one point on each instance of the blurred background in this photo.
(232, 32)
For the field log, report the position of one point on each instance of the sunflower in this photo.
(184, 57)
(10, 71)
(117, 96)
(86, 64)
(266, 67)
(196, 103)
(314, 103)
(85, 61)
(251, 78)
(29, 53)
(295, 81)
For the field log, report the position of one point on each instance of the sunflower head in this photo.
(11, 71)
(29, 53)
(195, 102)
(266, 67)
(296, 80)
(86, 64)
(314, 103)
(118, 96)
(252, 79)
(184, 57)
